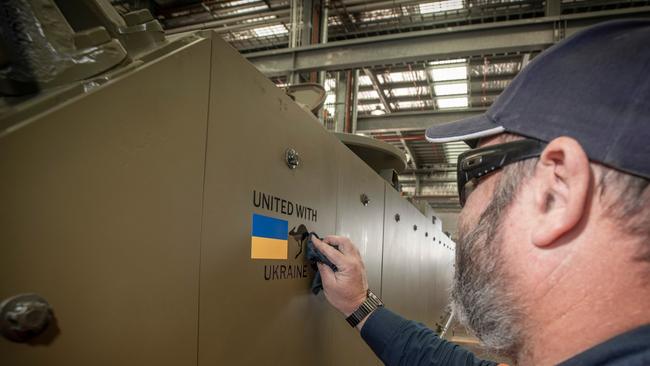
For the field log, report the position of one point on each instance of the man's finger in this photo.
(344, 244)
(331, 253)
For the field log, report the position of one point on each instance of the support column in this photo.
(355, 100)
(324, 28)
(307, 24)
(322, 38)
(341, 96)
(295, 35)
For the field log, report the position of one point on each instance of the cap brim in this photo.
(468, 129)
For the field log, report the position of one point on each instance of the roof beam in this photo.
(510, 36)
(413, 162)
(412, 121)
(394, 85)
(380, 92)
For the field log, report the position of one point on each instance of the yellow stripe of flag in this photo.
(267, 248)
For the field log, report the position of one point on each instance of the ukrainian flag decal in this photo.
(269, 238)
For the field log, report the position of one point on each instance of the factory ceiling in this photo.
(403, 65)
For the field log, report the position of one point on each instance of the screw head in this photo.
(397, 217)
(23, 317)
(292, 158)
(364, 199)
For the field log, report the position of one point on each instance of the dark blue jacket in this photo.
(397, 341)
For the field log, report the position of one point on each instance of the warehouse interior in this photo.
(134, 132)
(406, 65)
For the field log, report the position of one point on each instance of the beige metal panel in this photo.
(417, 271)
(449, 263)
(398, 282)
(246, 319)
(101, 210)
(446, 260)
(424, 277)
(427, 267)
(431, 270)
(364, 226)
(438, 302)
(439, 274)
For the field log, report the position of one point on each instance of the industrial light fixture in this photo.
(378, 111)
(271, 30)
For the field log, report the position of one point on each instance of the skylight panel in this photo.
(440, 6)
(456, 72)
(364, 80)
(238, 36)
(246, 10)
(259, 19)
(407, 92)
(450, 88)
(271, 30)
(379, 14)
(454, 102)
(502, 68)
(396, 77)
(370, 107)
(370, 94)
(412, 104)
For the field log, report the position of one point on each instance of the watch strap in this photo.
(371, 303)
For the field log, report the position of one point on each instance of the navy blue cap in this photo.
(593, 87)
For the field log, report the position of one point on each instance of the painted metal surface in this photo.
(415, 279)
(363, 224)
(101, 215)
(130, 209)
(245, 318)
(377, 154)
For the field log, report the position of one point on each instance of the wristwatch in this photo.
(372, 302)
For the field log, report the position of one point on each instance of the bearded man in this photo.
(553, 259)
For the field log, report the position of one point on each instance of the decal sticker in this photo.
(269, 238)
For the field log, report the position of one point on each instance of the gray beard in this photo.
(481, 297)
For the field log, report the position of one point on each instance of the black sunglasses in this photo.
(477, 163)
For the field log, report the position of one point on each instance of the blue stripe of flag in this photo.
(269, 227)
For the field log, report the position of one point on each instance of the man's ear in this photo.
(562, 179)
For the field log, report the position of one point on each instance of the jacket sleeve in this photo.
(397, 341)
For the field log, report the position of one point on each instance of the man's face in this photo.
(482, 295)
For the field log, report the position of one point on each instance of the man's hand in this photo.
(347, 288)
